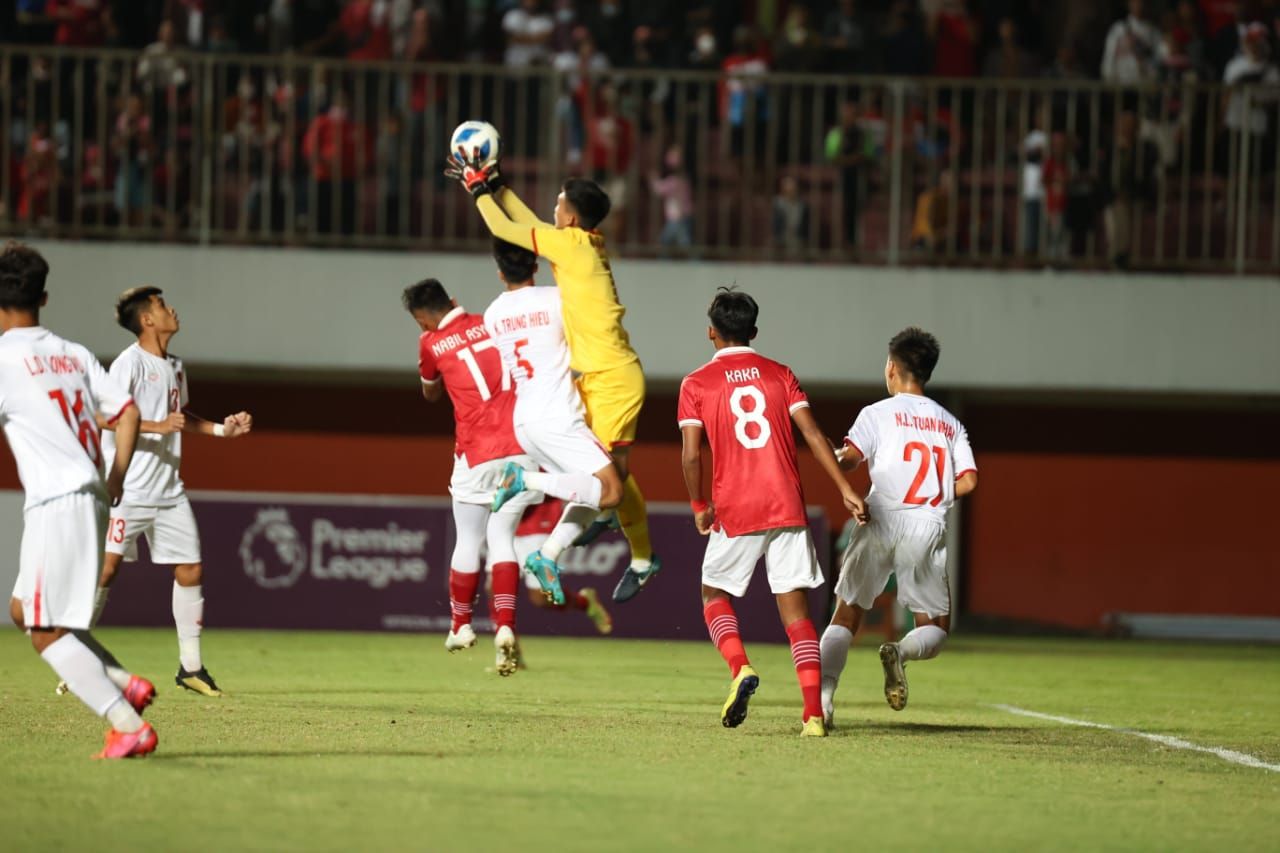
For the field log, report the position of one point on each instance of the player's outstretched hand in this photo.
(705, 519)
(857, 507)
(241, 423)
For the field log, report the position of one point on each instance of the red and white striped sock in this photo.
(462, 592)
(807, 657)
(722, 624)
(506, 580)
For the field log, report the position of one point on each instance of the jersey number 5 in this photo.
(755, 415)
(939, 458)
(84, 428)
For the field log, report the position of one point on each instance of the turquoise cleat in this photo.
(512, 484)
(547, 574)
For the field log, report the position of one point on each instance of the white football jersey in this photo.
(915, 452)
(159, 388)
(51, 392)
(529, 331)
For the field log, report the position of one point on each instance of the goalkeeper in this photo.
(610, 377)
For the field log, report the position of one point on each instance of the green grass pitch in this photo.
(330, 741)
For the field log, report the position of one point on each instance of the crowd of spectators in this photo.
(316, 131)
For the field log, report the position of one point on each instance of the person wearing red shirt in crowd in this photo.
(745, 404)
(1055, 175)
(366, 29)
(335, 152)
(955, 35)
(610, 142)
(39, 170)
(81, 23)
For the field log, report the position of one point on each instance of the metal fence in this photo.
(278, 150)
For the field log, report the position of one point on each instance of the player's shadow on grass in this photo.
(303, 753)
(932, 728)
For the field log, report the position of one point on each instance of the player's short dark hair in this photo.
(427, 295)
(132, 304)
(733, 314)
(23, 272)
(516, 263)
(915, 351)
(589, 201)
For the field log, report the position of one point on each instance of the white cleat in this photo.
(895, 676)
(828, 702)
(463, 638)
(61, 689)
(507, 660)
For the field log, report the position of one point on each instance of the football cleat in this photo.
(740, 692)
(463, 638)
(602, 525)
(895, 676)
(828, 702)
(507, 660)
(199, 681)
(633, 580)
(62, 688)
(814, 727)
(511, 484)
(547, 574)
(596, 612)
(139, 692)
(129, 744)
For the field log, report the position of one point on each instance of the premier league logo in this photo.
(272, 550)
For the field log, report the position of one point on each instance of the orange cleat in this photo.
(139, 693)
(129, 744)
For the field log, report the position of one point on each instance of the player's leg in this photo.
(175, 541)
(726, 571)
(470, 521)
(585, 600)
(500, 533)
(125, 524)
(920, 563)
(864, 570)
(792, 565)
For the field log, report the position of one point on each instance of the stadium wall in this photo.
(331, 310)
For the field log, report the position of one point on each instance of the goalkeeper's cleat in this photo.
(463, 638)
(895, 676)
(828, 702)
(507, 659)
(596, 612)
(814, 727)
(511, 484)
(129, 744)
(740, 692)
(139, 693)
(633, 580)
(199, 681)
(547, 574)
(602, 525)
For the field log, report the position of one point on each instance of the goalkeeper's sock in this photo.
(633, 515)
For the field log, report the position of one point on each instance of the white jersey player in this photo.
(155, 501)
(920, 462)
(526, 324)
(53, 395)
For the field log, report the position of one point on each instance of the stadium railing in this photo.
(229, 149)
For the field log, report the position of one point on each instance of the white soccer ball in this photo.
(473, 136)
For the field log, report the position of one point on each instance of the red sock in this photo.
(574, 600)
(506, 578)
(462, 591)
(722, 624)
(808, 661)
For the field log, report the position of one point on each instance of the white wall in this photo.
(299, 308)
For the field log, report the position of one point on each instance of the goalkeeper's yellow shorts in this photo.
(613, 399)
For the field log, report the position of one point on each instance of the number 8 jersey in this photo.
(744, 402)
(915, 451)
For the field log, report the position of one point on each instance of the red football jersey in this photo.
(460, 354)
(744, 402)
(541, 519)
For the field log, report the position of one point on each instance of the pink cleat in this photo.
(129, 744)
(139, 693)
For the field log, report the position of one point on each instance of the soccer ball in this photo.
(472, 135)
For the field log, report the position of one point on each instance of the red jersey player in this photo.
(456, 355)
(920, 462)
(745, 404)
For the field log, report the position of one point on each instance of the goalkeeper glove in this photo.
(478, 180)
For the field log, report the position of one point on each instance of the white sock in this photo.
(87, 679)
(122, 716)
(922, 643)
(576, 519)
(99, 602)
(188, 616)
(574, 487)
(834, 647)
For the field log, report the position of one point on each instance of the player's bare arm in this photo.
(232, 426)
(966, 484)
(174, 423)
(126, 429)
(433, 392)
(848, 457)
(704, 512)
(826, 457)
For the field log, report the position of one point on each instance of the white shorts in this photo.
(790, 560)
(60, 561)
(563, 446)
(914, 549)
(476, 485)
(170, 530)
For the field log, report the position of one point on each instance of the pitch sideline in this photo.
(1167, 740)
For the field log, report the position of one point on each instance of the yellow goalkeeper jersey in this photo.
(580, 264)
